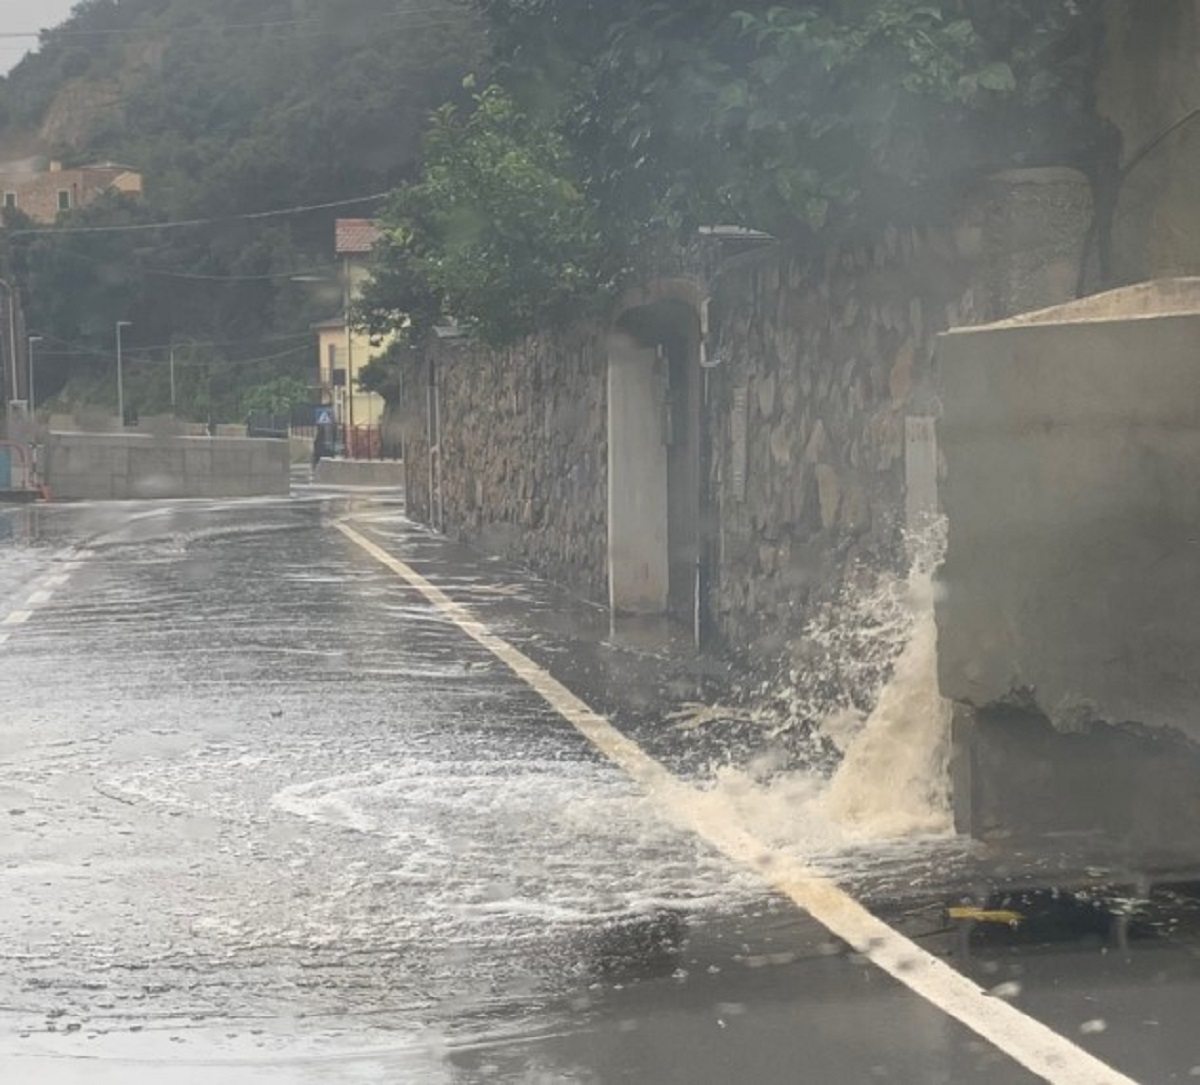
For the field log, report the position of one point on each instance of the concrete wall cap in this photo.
(1040, 175)
(1159, 298)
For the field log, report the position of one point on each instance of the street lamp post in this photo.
(120, 376)
(32, 339)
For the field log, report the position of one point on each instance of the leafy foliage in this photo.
(382, 374)
(497, 231)
(277, 396)
(779, 115)
(620, 119)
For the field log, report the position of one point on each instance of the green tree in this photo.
(497, 233)
(786, 116)
(277, 396)
(383, 373)
(613, 125)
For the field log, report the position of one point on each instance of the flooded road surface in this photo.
(268, 816)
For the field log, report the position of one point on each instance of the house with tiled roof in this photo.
(342, 351)
(44, 190)
(356, 237)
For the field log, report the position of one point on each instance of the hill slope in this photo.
(228, 107)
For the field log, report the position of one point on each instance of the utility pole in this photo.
(120, 376)
(172, 378)
(32, 339)
(12, 356)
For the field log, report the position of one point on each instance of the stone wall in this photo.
(825, 354)
(1150, 91)
(830, 355)
(523, 453)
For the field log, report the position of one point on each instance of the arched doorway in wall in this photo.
(654, 401)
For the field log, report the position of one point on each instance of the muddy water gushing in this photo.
(871, 694)
(894, 777)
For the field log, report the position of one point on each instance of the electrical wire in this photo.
(178, 224)
(135, 357)
(326, 274)
(163, 273)
(80, 350)
(64, 32)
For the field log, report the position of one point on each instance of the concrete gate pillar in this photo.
(638, 565)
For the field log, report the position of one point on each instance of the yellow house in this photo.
(341, 351)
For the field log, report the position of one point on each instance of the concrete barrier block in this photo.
(360, 473)
(140, 465)
(197, 460)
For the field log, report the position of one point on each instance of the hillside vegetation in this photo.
(228, 107)
(609, 130)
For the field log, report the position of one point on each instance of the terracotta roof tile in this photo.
(356, 236)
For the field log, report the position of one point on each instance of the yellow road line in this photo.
(985, 915)
(1027, 1041)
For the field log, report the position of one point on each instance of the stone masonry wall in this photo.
(1149, 89)
(831, 355)
(825, 353)
(524, 454)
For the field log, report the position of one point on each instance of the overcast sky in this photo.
(18, 16)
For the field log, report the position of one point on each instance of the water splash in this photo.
(894, 777)
(863, 704)
(893, 780)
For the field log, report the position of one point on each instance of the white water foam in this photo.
(551, 841)
(893, 780)
(892, 785)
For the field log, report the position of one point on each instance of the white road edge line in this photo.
(1027, 1041)
(73, 561)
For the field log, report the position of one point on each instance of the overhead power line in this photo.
(180, 224)
(82, 349)
(275, 277)
(309, 275)
(421, 18)
(134, 356)
(142, 32)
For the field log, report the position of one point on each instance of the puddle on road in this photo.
(863, 715)
(520, 843)
(391, 834)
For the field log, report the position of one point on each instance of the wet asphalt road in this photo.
(267, 817)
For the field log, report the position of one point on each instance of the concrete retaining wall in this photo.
(97, 466)
(1069, 616)
(1073, 452)
(360, 473)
